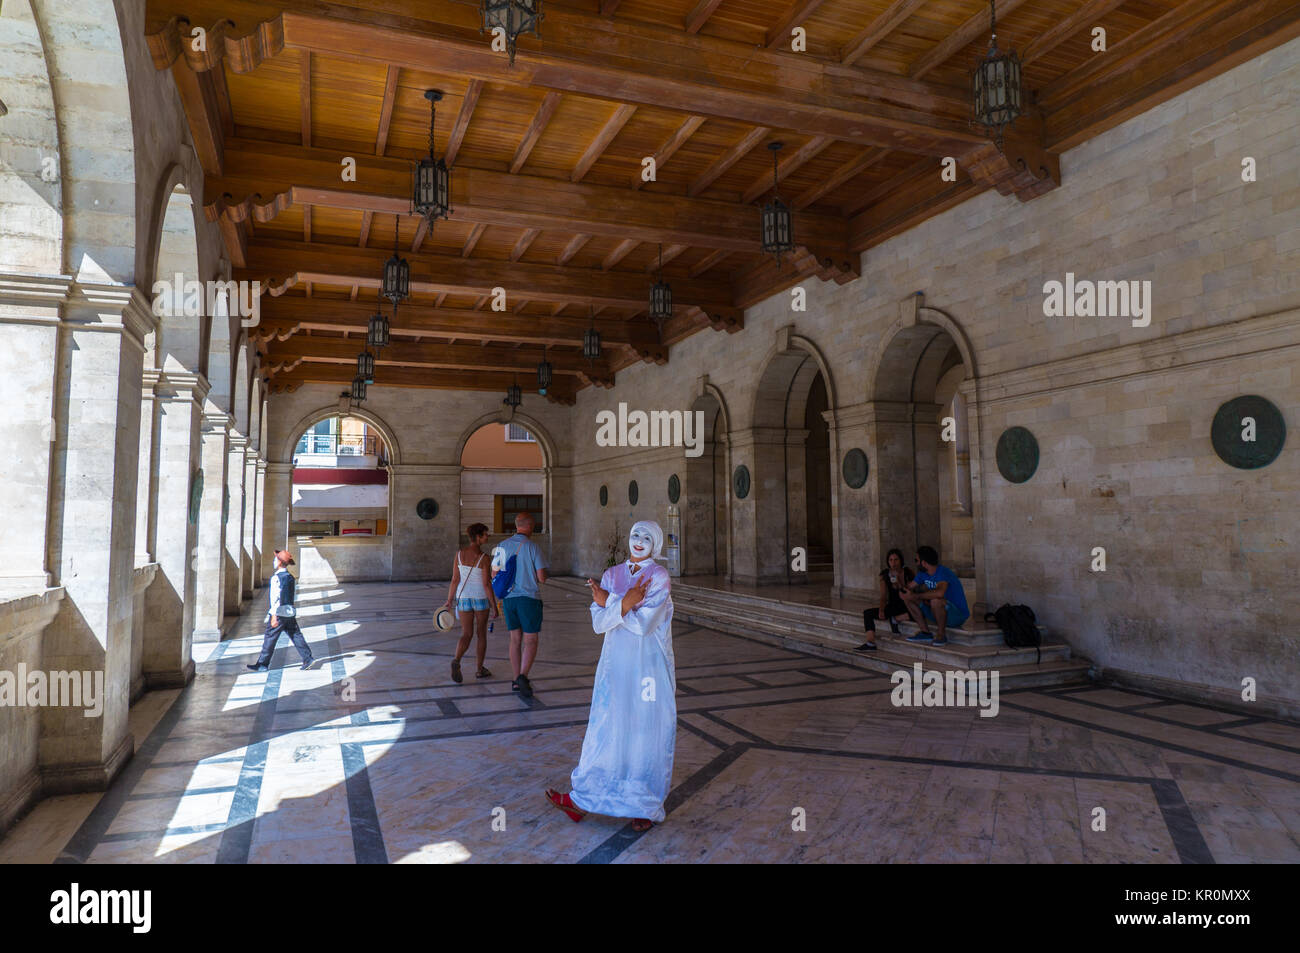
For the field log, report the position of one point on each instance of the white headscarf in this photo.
(651, 528)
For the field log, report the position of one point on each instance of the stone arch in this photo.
(792, 486)
(924, 370)
(706, 524)
(256, 422)
(31, 199)
(240, 391)
(316, 416)
(534, 427)
(178, 288)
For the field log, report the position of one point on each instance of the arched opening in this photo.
(704, 500)
(792, 465)
(921, 458)
(503, 473)
(179, 297)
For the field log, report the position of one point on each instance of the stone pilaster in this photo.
(146, 507)
(252, 525)
(858, 552)
(236, 474)
(29, 340)
(210, 560)
(422, 549)
(168, 657)
(92, 529)
(277, 487)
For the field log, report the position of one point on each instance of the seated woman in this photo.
(894, 578)
(626, 764)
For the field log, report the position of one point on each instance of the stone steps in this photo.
(833, 634)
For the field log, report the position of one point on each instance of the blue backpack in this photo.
(504, 580)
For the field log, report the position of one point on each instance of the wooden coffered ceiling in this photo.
(547, 196)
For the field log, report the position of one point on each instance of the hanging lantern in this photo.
(513, 17)
(545, 374)
(996, 84)
(514, 397)
(377, 332)
(366, 367)
(358, 389)
(661, 295)
(778, 223)
(432, 191)
(591, 344)
(396, 285)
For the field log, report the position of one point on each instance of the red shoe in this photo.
(565, 804)
(642, 824)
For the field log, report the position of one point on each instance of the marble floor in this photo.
(376, 756)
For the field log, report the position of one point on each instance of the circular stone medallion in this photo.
(1248, 432)
(1017, 454)
(426, 509)
(674, 489)
(855, 468)
(740, 482)
(604, 495)
(633, 492)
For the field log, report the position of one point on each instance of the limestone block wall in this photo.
(1202, 557)
(428, 429)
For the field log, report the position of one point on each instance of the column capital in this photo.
(275, 467)
(216, 422)
(111, 307)
(180, 385)
(261, 465)
(237, 440)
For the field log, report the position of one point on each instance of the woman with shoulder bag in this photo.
(474, 598)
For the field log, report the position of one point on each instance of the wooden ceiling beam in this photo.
(613, 126)
(571, 249)
(708, 262)
(975, 26)
(1062, 30)
(386, 110)
(304, 93)
(879, 28)
(855, 166)
(279, 263)
(787, 166)
(622, 60)
(719, 166)
(908, 199)
(700, 15)
(475, 234)
(436, 355)
(674, 142)
(525, 240)
(535, 129)
(795, 14)
(562, 391)
(621, 251)
(472, 92)
(266, 178)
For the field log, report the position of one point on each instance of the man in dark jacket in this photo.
(282, 617)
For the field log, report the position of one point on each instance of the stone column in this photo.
(261, 572)
(422, 549)
(168, 656)
(275, 513)
(743, 562)
(92, 530)
(858, 553)
(796, 498)
(210, 560)
(248, 580)
(769, 533)
(235, 508)
(146, 506)
(29, 340)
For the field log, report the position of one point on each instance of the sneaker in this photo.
(943, 641)
(866, 647)
(308, 664)
(920, 637)
(257, 668)
(525, 687)
(455, 671)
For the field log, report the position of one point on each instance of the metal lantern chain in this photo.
(777, 221)
(996, 85)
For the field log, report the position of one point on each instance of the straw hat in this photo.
(444, 619)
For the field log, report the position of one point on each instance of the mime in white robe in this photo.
(627, 755)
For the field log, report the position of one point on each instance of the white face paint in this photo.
(640, 544)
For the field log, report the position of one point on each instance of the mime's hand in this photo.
(598, 595)
(636, 595)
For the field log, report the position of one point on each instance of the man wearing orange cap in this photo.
(282, 617)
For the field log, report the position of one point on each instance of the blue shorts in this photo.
(471, 605)
(523, 613)
(953, 618)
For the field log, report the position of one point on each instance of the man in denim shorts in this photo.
(523, 603)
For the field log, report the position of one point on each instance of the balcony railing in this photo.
(341, 445)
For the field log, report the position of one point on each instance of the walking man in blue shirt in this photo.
(282, 619)
(935, 597)
(522, 605)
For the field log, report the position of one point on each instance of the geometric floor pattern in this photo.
(376, 756)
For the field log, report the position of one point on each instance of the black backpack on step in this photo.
(1019, 627)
